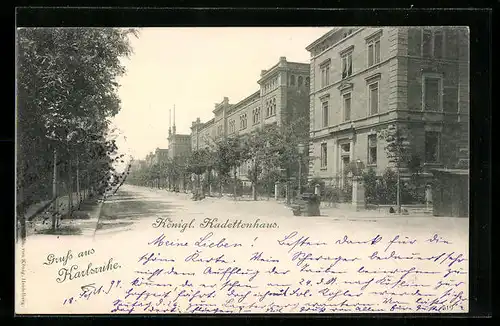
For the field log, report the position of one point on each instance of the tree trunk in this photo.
(398, 192)
(70, 190)
(254, 182)
(54, 192)
(199, 189)
(209, 181)
(78, 182)
(235, 186)
(288, 198)
(89, 189)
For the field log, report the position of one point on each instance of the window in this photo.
(347, 65)
(324, 155)
(373, 52)
(308, 81)
(268, 109)
(373, 89)
(292, 80)
(231, 126)
(345, 158)
(438, 44)
(243, 121)
(432, 43)
(347, 106)
(273, 107)
(432, 146)
(256, 115)
(426, 43)
(325, 75)
(432, 93)
(325, 114)
(372, 149)
(300, 81)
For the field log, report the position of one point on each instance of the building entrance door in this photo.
(345, 151)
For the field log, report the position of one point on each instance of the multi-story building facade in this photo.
(161, 156)
(179, 145)
(283, 96)
(363, 79)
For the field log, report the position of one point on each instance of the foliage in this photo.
(397, 146)
(199, 161)
(370, 181)
(66, 94)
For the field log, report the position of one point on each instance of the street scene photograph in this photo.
(242, 170)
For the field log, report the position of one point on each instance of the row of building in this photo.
(359, 81)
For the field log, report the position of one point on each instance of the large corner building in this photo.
(363, 79)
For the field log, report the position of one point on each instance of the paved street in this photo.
(125, 226)
(137, 207)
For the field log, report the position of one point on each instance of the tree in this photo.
(229, 153)
(260, 151)
(67, 91)
(198, 163)
(286, 148)
(398, 151)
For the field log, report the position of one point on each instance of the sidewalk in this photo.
(83, 221)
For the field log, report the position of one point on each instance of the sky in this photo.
(194, 68)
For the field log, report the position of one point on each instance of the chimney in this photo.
(282, 62)
(226, 100)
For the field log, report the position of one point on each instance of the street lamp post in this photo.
(301, 151)
(359, 167)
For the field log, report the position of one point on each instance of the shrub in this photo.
(370, 180)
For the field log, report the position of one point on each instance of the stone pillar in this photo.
(358, 193)
(428, 196)
(335, 156)
(276, 190)
(317, 190)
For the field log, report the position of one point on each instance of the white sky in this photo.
(194, 68)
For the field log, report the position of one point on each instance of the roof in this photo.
(255, 95)
(271, 71)
(322, 38)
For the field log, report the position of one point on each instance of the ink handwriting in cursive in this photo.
(211, 273)
(291, 240)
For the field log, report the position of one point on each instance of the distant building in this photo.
(283, 96)
(179, 145)
(161, 156)
(363, 79)
(150, 159)
(137, 165)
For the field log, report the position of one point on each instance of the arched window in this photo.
(273, 109)
(308, 81)
(299, 81)
(292, 80)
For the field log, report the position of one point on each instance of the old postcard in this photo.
(242, 170)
